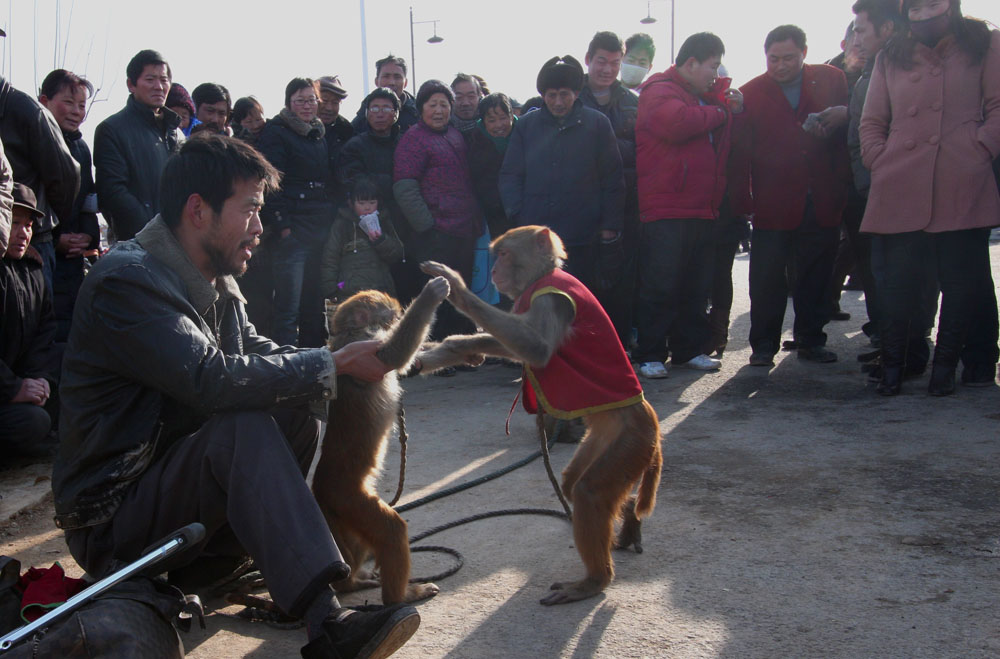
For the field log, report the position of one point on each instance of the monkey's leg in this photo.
(386, 533)
(597, 497)
(631, 531)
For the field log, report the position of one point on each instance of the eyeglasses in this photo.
(376, 110)
(306, 101)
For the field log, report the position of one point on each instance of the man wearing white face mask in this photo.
(639, 52)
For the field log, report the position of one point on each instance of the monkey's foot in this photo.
(420, 591)
(572, 591)
(361, 580)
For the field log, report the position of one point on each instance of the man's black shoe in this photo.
(762, 359)
(942, 381)
(875, 371)
(817, 354)
(979, 375)
(869, 356)
(837, 314)
(367, 632)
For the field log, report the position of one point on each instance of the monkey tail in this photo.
(645, 500)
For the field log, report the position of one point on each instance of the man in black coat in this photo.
(40, 160)
(29, 362)
(563, 169)
(175, 410)
(132, 146)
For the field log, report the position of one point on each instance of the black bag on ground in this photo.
(132, 620)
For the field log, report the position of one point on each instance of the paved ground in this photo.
(800, 514)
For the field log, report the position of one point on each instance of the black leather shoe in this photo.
(942, 381)
(891, 380)
(366, 632)
(979, 375)
(762, 358)
(817, 354)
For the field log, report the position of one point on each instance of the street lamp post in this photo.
(413, 52)
(649, 20)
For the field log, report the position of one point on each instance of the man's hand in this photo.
(358, 359)
(71, 245)
(829, 120)
(33, 390)
(734, 99)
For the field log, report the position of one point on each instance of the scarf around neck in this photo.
(314, 128)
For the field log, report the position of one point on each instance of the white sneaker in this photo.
(653, 370)
(701, 363)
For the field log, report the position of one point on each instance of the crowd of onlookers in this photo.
(881, 165)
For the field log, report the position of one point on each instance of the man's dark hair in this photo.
(385, 94)
(210, 166)
(210, 92)
(61, 79)
(701, 47)
(641, 41)
(363, 189)
(465, 77)
(389, 59)
(605, 40)
(879, 12)
(428, 89)
(784, 33)
(295, 85)
(143, 59)
(243, 107)
(497, 101)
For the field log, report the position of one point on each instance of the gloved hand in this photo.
(610, 262)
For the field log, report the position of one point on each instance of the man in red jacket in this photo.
(682, 144)
(793, 179)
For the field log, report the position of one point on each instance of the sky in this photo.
(255, 47)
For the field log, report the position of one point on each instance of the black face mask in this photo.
(930, 31)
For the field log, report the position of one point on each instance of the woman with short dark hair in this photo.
(434, 191)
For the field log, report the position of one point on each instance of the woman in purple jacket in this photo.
(434, 190)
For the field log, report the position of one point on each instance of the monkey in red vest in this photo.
(574, 366)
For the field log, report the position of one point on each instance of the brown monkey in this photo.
(361, 419)
(574, 366)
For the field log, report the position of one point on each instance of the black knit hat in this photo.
(560, 72)
(430, 88)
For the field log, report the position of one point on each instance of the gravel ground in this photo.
(800, 514)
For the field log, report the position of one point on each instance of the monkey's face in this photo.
(504, 269)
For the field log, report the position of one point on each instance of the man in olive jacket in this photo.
(132, 146)
(176, 411)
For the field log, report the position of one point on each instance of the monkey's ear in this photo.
(543, 240)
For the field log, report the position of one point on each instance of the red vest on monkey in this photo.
(590, 371)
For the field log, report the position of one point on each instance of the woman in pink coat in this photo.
(929, 133)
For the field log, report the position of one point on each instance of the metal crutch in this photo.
(191, 534)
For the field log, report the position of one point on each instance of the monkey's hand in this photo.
(438, 288)
(458, 288)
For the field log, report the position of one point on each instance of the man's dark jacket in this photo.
(80, 221)
(130, 149)
(407, 115)
(153, 352)
(337, 135)
(621, 111)
(565, 174)
(369, 155)
(862, 175)
(302, 203)
(485, 160)
(38, 154)
(27, 325)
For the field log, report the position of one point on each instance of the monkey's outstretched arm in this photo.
(460, 349)
(530, 337)
(411, 331)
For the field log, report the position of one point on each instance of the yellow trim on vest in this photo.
(548, 290)
(572, 414)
